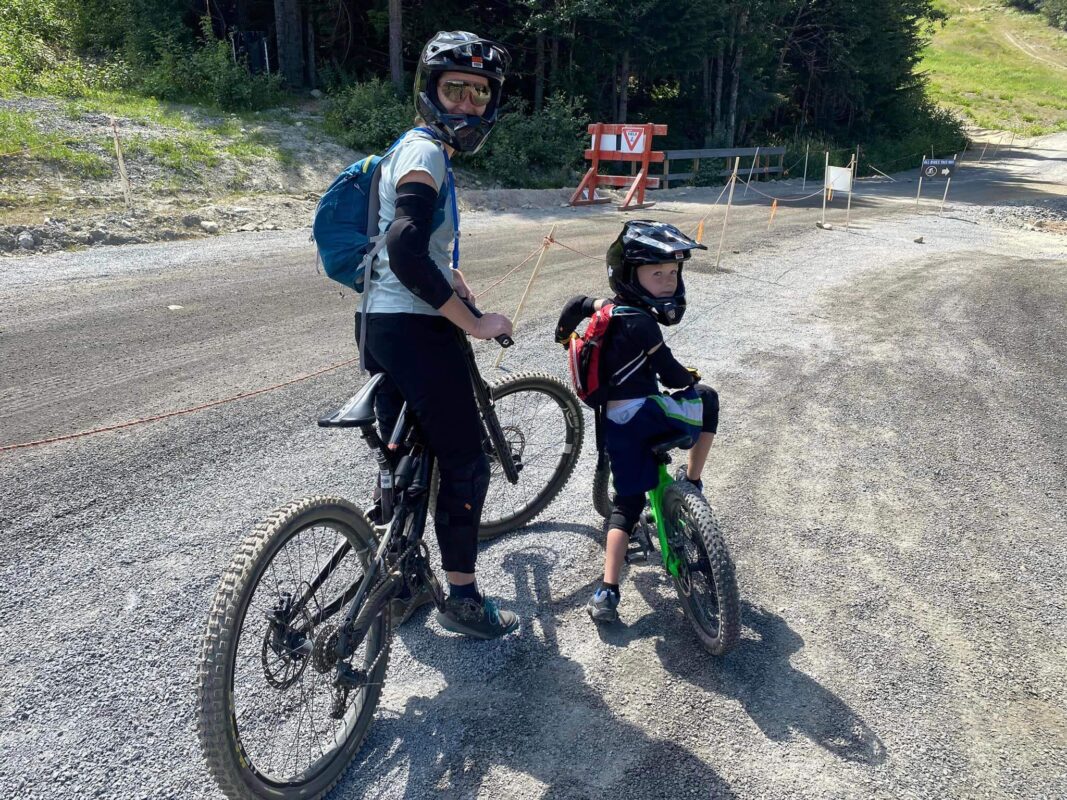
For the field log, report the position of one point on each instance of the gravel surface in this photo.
(890, 476)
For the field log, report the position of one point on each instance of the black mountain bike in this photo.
(297, 642)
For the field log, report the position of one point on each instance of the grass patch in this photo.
(21, 139)
(133, 107)
(977, 70)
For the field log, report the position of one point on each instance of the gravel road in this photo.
(891, 476)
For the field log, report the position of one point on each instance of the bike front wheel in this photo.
(706, 583)
(273, 724)
(602, 488)
(542, 429)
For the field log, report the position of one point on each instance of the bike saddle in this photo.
(357, 412)
(671, 442)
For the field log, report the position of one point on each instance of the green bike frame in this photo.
(655, 499)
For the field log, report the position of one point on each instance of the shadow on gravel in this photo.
(779, 698)
(538, 718)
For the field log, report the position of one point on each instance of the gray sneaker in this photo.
(603, 606)
(401, 608)
(479, 620)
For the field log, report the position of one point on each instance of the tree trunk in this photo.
(624, 85)
(290, 42)
(539, 72)
(735, 79)
(312, 77)
(553, 63)
(718, 90)
(396, 61)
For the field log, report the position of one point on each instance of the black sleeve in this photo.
(671, 373)
(408, 244)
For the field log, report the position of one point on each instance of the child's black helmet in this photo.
(459, 51)
(647, 242)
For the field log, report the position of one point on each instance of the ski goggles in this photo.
(455, 91)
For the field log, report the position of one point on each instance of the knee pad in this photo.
(462, 493)
(626, 512)
(710, 399)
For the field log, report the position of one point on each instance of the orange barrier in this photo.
(620, 143)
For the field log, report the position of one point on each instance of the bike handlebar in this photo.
(503, 339)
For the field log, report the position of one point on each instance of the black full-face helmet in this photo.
(646, 242)
(460, 51)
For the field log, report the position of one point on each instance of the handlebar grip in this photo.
(503, 339)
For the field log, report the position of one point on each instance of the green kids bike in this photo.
(691, 546)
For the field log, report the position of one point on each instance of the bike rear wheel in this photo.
(271, 724)
(706, 583)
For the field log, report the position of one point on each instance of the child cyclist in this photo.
(645, 272)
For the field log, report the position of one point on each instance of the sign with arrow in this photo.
(938, 169)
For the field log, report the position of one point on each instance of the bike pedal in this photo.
(636, 553)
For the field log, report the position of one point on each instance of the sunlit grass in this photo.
(976, 70)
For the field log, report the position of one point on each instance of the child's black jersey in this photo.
(629, 370)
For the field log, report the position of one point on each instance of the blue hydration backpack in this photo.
(345, 227)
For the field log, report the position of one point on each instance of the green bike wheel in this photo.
(706, 583)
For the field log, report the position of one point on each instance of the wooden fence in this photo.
(763, 156)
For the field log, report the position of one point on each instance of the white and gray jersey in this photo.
(422, 154)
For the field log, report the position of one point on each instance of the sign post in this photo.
(851, 183)
(826, 172)
(729, 202)
(937, 169)
(631, 143)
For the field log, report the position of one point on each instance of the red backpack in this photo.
(585, 357)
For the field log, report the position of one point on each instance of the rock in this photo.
(316, 93)
(240, 210)
(96, 235)
(25, 240)
(919, 240)
(190, 220)
(7, 241)
(209, 226)
(246, 228)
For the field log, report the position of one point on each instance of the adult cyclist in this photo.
(415, 302)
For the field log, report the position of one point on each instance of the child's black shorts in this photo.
(633, 467)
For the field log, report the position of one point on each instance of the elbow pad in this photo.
(408, 244)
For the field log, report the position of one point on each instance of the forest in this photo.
(718, 73)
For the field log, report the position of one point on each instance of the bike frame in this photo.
(408, 484)
(671, 561)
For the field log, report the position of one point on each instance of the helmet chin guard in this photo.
(460, 51)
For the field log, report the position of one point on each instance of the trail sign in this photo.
(938, 168)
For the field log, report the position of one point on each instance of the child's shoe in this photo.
(603, 605)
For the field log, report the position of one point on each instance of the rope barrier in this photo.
(552, 240)
(169, 414)
(788, 199)
(512, 271)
